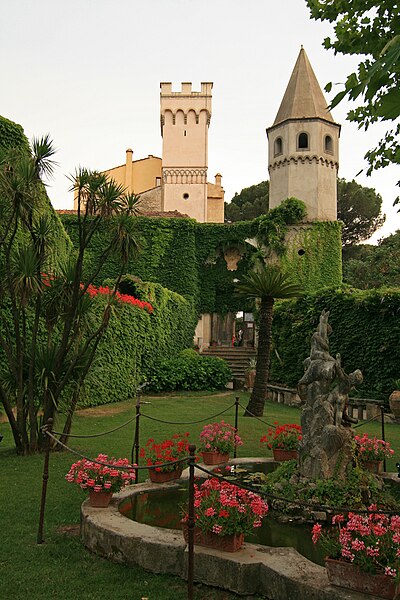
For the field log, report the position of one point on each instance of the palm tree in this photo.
(265, 284)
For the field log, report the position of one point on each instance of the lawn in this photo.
(61, 568)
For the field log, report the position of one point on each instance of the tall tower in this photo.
(303, 155)
(185, 118)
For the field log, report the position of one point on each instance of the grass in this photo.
(61, 568)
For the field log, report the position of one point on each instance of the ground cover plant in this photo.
(61, 568)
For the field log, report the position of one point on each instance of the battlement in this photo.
(186, 89)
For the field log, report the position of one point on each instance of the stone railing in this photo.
(359, 408)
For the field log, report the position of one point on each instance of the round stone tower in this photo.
(303, 155)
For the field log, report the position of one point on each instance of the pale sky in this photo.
(88, 73)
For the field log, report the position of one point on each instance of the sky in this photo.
(88, 73)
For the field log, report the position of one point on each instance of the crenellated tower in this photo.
(185, 118)
(303, 155)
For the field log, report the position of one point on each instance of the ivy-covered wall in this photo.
(365, 331)
(135, 341)
(188, 257)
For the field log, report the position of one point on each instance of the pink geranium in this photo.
(225, 509)
(219, 437)
(101, 474)
(371, 541)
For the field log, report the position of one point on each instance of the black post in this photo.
(136, 442)
(48, 427)
(383, 431)
(236, 422)
(192, 462)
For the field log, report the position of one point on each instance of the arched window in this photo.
(278, 146)
(328, 144)
(302, 141)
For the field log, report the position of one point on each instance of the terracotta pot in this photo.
(394, 403)
(226, 543)
(374, 466)
(347, 575)
(214, 458)
(164, 476)
(99, 499)
(249, 379)
(281, 455)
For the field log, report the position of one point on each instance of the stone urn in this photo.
(394, 400)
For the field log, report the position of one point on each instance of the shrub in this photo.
(189, 371)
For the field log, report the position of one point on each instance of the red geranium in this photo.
(167, 451)
(285, 437)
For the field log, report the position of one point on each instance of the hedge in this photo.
(366, 333)
(135, 342)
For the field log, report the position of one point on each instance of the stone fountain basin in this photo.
(275, 573)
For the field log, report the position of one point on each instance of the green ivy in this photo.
(365, 331)
(134, 342)
(188, 257)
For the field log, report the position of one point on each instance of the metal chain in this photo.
(188, 422)
(255, 416)
(94, 435)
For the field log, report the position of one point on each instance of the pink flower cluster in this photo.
(125, 298)
(371, 541)
(372, 448)
(102, 474)
(225, 509)
(219, 437)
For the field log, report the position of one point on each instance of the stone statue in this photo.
(326, 448)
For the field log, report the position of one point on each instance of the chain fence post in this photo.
(47, 428)
(236, 423)
(136, 441)
(192, 462)
(383, 431)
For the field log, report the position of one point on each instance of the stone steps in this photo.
(237, 357)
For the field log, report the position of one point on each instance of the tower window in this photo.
(185, 196)
(184, 132)
(328, 144)
(278, 146)
(302, 141)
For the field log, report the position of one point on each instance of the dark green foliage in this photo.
(188, 257)
(12, 135)
(360, 210)
(134, 343)
(375, 266)
(249, 204)
(358, 490)
(366, 332)
(189, 371)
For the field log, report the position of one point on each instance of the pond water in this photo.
(162, 509)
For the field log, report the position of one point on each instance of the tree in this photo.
(360, 210)
(50, 326)
(250, 203)
(265, 285)
(375, 266)
(371, 30)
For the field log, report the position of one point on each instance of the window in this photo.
(302, 141)
(278, 146)
(328, 145)
(185, 196)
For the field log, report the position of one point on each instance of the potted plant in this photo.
(224, 514)
(372, 452)
(217, 440)
(363, 552)
(394, 399)
(101, 477)
(167, 451)
(283, 440)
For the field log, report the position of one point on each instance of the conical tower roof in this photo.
(303, 97)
